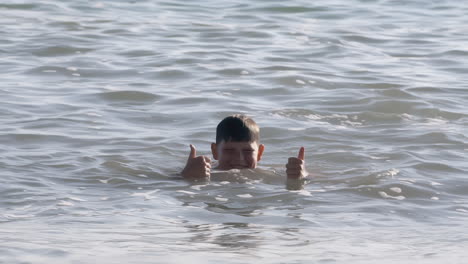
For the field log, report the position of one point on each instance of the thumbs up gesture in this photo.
(295, 169)
(197, 166)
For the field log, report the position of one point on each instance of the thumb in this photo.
(301, 154)
(193, 152)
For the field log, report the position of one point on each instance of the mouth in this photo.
(233, 167)
(239, 167)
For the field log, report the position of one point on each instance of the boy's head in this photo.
(237, 143)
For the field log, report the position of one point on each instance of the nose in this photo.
(241, 158)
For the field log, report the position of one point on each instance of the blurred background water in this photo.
(100, 101)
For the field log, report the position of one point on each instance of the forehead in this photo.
(233, 144)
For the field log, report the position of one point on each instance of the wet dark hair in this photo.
(237, 128)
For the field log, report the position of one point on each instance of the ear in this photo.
(214, 151)
(261, 148)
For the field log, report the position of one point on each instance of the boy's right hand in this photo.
(197, 167)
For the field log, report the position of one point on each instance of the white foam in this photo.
(17, 216)
(221, 199)
(296, 128)
(391, 172)
(407, 116)
(318, 190)
(395, 189)
(76, 199)
(434, 122)
(303, 192)
(65, 203)
(408, 181)
(351, 123)
(377, 158)
(338, 116)
(186, 192)
(313, 117)
(93, 114)
(197, 187)
(386, 196)
(146, 195)
(247, 195)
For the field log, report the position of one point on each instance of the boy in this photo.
(237, 147)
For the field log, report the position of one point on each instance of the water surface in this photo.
(102, 99)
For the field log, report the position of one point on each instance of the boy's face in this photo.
(237, 155)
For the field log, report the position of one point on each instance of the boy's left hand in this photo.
(295, 169)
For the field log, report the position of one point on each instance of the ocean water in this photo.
(100, 101)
